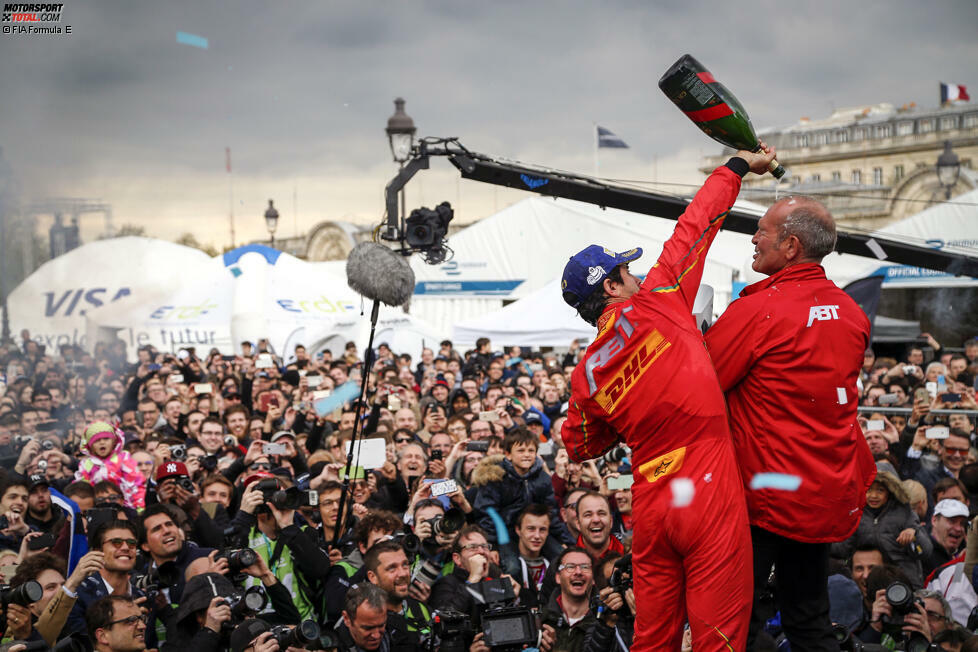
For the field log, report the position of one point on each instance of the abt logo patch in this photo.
(820, 313)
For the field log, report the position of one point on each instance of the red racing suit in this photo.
(648, 380)
(788, 353)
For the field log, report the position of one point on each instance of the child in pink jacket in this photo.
(106, 460)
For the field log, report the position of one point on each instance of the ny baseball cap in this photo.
(171, 470)
(37, 480)
(949, 508)
(586, 269)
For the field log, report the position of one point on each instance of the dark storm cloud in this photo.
(304, 89)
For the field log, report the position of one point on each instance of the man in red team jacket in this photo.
(788, 353)
(647, 380)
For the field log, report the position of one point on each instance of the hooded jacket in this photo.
(882, 528)
(183, 632)
(119, 467)
(508, 492)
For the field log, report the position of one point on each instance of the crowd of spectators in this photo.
(196, 500)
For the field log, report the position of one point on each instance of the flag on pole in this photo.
(77, 542)
(227, 159)
(608, 139)
(953, 93)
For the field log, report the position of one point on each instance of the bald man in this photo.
(788, 353)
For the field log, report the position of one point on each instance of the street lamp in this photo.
(271, 221)
(948, 169)
(400, 132)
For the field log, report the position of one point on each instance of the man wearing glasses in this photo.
(118, 542)
(953, 452)
(471, 555)
(568, 615)
(116, 624)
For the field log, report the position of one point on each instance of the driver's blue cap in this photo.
(586, 269)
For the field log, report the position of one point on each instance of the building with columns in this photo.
(871, 165)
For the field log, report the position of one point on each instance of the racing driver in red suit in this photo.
(647, 380)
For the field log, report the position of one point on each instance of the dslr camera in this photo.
(304, 635)
(902, 602)
(23, 595)
(290, 498)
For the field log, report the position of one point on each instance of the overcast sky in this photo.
(301, 91)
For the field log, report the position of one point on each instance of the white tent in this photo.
(253, 292)
(52, 303)
(949, 226)
(540, 319)
(515, 252)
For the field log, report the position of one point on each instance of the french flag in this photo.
(953, 93)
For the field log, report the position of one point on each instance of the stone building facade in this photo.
(870, 165)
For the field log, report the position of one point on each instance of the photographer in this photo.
(174, 487)
(471, 557)
(283, 609)
(348, 571)
(928, 616)
(435, 548)
(615, 625)
(199, 623)
(49, 614)
(290, 551)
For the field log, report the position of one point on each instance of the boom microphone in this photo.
(379, 273)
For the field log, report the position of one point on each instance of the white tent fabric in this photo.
(540, 319)
(515, 252)
(253, 292)
(52, 303)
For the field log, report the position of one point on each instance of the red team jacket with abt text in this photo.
(787, 354)
(647, 378)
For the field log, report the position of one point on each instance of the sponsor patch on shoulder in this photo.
(664, 465)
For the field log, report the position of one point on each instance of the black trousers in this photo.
(800, 591)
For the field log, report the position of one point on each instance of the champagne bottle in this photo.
(711, 107)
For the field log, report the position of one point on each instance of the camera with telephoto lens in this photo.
(901, 599)
(449, 630)
(614, 456)
(24, 595)
(246, 602)
(409, 541)
(238, 560)
(427, 573)
(304, 635)
(291, 498)
(178, 452)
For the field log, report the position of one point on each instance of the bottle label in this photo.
(712, 113)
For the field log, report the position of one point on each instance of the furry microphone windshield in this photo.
(378, 273)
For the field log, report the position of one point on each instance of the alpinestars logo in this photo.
(32, 13)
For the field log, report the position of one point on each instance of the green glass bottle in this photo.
(711, 107)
